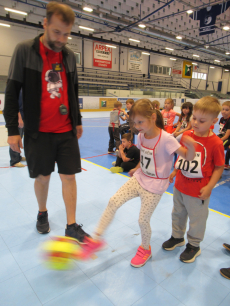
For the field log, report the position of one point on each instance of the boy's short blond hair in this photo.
(130, 101)
(156, 103)
(170, 101)
(208, 105)
(117, 104)
(226, 103)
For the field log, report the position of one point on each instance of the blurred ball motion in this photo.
(59, 253)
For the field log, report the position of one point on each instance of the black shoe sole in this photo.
(226, 247)
(78, 241)
(224, 275)
(192, 259)
(175, 246)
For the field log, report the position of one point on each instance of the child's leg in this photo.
(111, 140)
(127, 166)
(119, 162)
(149, 202)
(179, 215)
(198, 215)
(127, 192)
(227, 157)
(116, 136)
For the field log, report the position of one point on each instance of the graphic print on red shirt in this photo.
(54, 93)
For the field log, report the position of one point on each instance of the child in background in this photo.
(184, 120)
(124, 127)
(195, 181)
(149, 179)
(156, 104)
(169, 115)
(114, 124)
(128, 156)
(224, 131)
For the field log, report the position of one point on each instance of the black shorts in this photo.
(42, 153)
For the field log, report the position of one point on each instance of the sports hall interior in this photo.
(147, 43)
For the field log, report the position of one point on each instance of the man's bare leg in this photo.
(41, 186)
(69, 192)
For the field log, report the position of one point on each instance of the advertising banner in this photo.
(102, 55)
(107, 103)
(134, 60)
(187, 70)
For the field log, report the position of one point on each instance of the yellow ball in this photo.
(59, 253)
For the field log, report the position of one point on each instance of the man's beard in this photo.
(52, 45)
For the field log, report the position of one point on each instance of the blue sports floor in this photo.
(109, 279)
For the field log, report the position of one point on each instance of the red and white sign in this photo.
(102, 55)
(176, 71)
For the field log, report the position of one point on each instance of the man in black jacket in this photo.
(45, 70)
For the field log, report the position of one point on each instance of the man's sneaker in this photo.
(225, 272)
(190, 253)
(23, 158)
(141, 257)
(75, 231)
(92, 246)
(226, 246)
(172, 243)
(42, 225)
(113, 163)
(116, 169)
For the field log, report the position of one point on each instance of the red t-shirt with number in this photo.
(215, 157)
(54, 93)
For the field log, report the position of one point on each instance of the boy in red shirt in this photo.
(195, 180)
(169, 115)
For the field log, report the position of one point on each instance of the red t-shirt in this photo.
(215, 157)
(54, 93)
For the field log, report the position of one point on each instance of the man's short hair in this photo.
(130, 101)
(208, 105)
(226, 103)
(127, 136)
(64, 11)
(117, 104)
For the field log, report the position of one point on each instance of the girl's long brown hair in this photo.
(145, 108)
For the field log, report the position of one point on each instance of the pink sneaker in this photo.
(91, 246)
(141, 257)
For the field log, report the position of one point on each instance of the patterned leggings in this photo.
(128, 191)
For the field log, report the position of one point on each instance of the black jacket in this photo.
(25, 73)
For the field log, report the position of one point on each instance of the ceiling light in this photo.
(226, 70)
(5, 25)
(189, 11)
(87, 9)
(134, 40)
(178, 37)
(194, 64)
(217, 61)
(195, 55)
(146, 53)
(85, 28)
(227, 53)
(172, 59)
(110, 46)
(69, 37)
(142, 25)
(206, 46)
(226, 28)
(169, 49)
(15, 11)
(211, 67)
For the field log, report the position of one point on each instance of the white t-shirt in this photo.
(163, 157)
